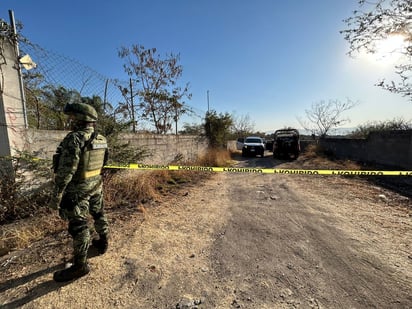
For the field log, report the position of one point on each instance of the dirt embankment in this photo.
(238, 241)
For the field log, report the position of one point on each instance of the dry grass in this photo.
(314, 157)
(131, 188)
(126, 190)
(22, 233)
(396, 188)
(219, 157)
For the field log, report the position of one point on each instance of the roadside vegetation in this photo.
(363, 131)
(26, 218)
(315, 157)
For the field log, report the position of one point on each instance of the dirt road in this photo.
(239, 241)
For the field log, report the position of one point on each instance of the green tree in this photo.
(153, 81)
(96, 102)
(50, 101)
(362, 131)
(192, 129)
(217, 128)
(35, 109)
(376, 21)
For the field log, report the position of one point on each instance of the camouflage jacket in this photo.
(68, 155)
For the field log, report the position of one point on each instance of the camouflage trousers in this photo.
(80, 200)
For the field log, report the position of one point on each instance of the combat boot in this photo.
(73, 272)
(101, 244)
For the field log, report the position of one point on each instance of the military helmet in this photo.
(81, 111)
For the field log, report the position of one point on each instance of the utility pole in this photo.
(132, 105)
(17, 51)
(208, 113)
(208, 101)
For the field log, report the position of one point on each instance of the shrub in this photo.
(362, 131)
(27, 190)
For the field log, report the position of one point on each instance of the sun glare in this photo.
(392, 46)
(389, 50)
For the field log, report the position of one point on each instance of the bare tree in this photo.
(376, 21)
(326, 115)
(242, 125)
(155, 85)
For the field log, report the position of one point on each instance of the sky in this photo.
(269, 60)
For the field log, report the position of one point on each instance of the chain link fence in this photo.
(59, 70)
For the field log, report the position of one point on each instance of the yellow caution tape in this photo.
(137, 166)
(142, 166)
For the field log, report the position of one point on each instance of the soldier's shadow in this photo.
(35, 292)
(39, 290)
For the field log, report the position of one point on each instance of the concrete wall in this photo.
(391, 148)
(12, 120)
(163, 148)
(231, 146)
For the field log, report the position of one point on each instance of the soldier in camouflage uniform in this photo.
(78, 186)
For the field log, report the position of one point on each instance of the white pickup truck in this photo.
(251, 146)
